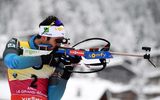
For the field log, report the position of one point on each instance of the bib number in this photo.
(35, 79)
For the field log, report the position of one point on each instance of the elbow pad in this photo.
(13, 46)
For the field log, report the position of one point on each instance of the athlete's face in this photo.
(52, 41)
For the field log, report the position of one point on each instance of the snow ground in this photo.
(4, 90)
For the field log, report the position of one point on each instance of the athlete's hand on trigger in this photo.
(51, 59)
(68, 60)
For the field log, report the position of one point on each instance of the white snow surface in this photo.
(4, 90)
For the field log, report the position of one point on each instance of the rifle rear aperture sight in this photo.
(63, 40)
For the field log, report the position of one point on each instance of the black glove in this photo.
(68, 60)
(52, 59)
(46, 58)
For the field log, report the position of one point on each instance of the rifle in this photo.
(101, 54)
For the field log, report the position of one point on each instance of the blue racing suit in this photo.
(30, 82)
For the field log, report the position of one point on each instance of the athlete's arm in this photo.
(15, 61)
(12, 58)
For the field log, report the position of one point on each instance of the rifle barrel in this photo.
(127, 54)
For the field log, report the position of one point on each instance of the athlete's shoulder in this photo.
(12, 43)
(12, 46)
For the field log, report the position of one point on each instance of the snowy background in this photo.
(127, 24)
